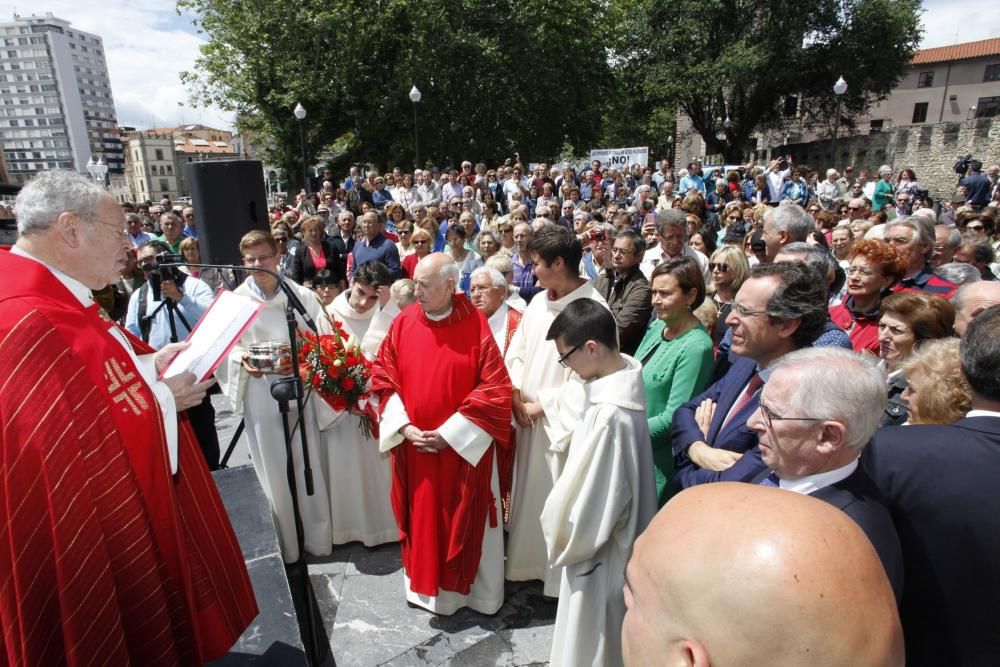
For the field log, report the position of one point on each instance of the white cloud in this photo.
(949, 22)
(147, 46)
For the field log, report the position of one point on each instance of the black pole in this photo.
(302, 146)
(283, 390)
(836, 126)
(416, 137)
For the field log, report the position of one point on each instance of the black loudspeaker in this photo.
(228, 200)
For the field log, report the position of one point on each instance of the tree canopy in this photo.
(496, 76)
(536, 76)
(746, 60)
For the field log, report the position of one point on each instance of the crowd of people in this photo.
(558, 353)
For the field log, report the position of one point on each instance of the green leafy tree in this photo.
(497, 76)
(761, 63)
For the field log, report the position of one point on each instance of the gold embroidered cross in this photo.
(131, 394)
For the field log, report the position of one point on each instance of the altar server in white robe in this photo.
(606, 493)
(358, 476)
(540, 381)
(249, 391)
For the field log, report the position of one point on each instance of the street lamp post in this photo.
(415, 97)
(839, 89)
(97, 170)
(670, 149)
(300, 115)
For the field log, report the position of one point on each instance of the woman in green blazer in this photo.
(676, 357)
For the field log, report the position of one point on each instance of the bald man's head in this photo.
(972, 299)
(738, 574)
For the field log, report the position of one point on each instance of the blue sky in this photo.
(147, 45)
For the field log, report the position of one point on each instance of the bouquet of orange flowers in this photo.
(336, 370)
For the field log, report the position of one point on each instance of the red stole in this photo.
(102, 551)
(440, 501)
(505, 457)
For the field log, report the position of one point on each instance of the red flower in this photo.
(351, 360)
(347, 384)
(338, 402)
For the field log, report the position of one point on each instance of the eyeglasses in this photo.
(977, 228)
(770, 416)
(257, 260)
(743, 312)
(563, 358)
(420, 241)
(505, 230)
(852, 270)
(722, 267)
(280, 239)
(122, 234)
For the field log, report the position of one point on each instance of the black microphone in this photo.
(293, 299)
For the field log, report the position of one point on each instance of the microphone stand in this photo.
(284, 391)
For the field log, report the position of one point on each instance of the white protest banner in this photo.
(621, 157)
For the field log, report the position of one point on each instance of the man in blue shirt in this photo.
(189, 230)
(139, 237)
(977, 186)
(375, 247)
(693, 180)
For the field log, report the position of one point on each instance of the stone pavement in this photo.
(359, 594)
(366, 621)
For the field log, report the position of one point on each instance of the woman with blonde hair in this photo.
(422, 241)
(937, 391)
(729, 269)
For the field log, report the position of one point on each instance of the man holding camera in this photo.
(163, 310)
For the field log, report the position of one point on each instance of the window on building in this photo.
(875, 126)
(925, 80)
(992, 72)
(159, 153)
(164, 185)
(988, 107)
(919, 112)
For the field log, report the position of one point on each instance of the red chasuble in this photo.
(105, 557)
(440, 501)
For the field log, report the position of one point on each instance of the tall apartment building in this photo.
(56, 108)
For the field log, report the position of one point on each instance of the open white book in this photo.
(214, 335)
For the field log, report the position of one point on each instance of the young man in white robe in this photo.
(541, 389)
(249, 391)
(358, 476)
(606, 493)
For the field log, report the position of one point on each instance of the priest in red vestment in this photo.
(114, 545)
(445, 409)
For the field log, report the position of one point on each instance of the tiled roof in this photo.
(980, 49)
(200, 146)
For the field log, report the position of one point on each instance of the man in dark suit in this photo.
(780, 308)
(940, 482)
(814, 417)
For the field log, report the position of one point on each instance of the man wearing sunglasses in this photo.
(780, 308)
(811, 441)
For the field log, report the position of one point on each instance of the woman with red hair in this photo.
(873, 268)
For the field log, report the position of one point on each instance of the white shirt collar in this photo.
(78, 289)
(982, 413)
(812, 483)
(438, 318)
